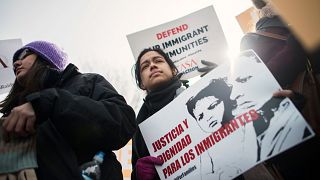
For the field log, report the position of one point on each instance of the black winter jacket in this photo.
(153, 102)
(78, 116)
(284, 58)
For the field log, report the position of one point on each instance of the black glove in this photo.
(209, 66)
(184, 82)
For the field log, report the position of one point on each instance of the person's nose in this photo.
(16, 64)
(153, 66)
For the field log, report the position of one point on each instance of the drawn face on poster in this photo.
(208, 112)
(212, 106)
(243, 79)
(238, 93)
(227, 97)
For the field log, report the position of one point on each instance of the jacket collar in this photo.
(267, 22)
(159, 98)
(70, 71)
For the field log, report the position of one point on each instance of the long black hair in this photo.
(32, 83)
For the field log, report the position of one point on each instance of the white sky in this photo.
(93, 32)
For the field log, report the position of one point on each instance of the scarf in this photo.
(157, 99)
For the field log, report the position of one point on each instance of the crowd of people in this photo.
(56, 118)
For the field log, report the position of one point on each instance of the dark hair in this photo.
(137, 65)
(32, 83)
(219, 89)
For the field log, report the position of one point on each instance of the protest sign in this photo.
(224, 124)
(7, 77)
(187, 40)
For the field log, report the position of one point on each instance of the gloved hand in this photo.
(209, 66)
(145, 169)
(184, 82)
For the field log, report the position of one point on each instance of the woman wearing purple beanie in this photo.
(65, 116)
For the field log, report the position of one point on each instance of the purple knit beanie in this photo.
(46, 50)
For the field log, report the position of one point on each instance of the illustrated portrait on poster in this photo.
(227, 123)
(217, 104)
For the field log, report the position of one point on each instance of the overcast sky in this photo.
(93, 32)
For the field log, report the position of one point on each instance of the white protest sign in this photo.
(224, 124)
(187, 40)
(7, 77)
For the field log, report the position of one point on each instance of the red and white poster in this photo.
(7, 77)
(224, 124)
(187, 40)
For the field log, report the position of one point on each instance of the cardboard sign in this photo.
(224, 124)
(187, 40)
(7, 77)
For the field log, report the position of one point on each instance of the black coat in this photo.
(285, 59)
(80, 115)
(153, 102)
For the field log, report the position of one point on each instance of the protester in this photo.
(275, 45)
(286, 59)
(157, 75)
(66, 115)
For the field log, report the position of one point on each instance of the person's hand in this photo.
(21, 120)
(185, 83)
(208, 67)
(297, 98)
(283, 93)
(145, 167)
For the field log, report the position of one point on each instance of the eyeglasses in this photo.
(24, 54)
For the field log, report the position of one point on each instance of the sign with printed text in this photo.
(187, 40)
(224, 124)
(7, 77)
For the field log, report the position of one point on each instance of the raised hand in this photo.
(209, 66)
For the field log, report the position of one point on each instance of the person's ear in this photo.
(174, 72)
(142, 87)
